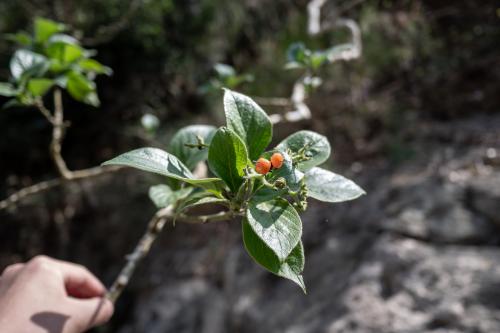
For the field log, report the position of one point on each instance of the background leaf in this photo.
(327, 186)
(82, 89)
(291, 268)
(38, 87)
(317, 148)
(94, 66)
(45, 28)
(277, 224)
(227, 157)
(162, 195)
(27, 63)
(7, 90)
(191, 156)
(249, 121)
(21, 37)
(64, 53)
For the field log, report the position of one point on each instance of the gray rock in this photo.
(484, 196)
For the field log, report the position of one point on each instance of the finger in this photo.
(92, 312)
(11, 271)
(79, 281)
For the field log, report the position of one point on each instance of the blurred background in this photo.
(415, 120)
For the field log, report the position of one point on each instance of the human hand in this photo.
(51, 296)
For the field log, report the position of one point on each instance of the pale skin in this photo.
(46, 295)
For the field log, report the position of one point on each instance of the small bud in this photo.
(277, 160)
(262, 166)
(280, 183)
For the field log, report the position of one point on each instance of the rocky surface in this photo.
(419, 253)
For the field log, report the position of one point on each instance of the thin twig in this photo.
(49, 184)
(106, 33)
(142, 248)
(58, 136)
(202, 219)
(44, 111)
(273, 101)
(300, 109)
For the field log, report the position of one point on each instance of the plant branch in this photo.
(106, 33)
(49, 184)
(44, 111)
(155, 226)
(202, 219)
(273, 101)
(58, 136)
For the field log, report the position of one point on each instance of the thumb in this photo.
(92, 312)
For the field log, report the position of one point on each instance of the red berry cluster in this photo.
(263, 166)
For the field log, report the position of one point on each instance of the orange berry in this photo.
(262, 166)
(277, 160)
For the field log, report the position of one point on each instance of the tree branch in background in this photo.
(58, 136)
(58, 128)
(297, 101)
(106, 33)
(26, 192)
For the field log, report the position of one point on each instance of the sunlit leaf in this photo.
(227, 157)
(277, 223)
(190, 155)
(291, 268)
(249, 121)
(313, 145)
(327, 186)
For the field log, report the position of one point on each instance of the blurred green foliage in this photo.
(420, 58)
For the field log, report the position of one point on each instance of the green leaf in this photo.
(188, 135)
(200, 199)
(45, 28)
(158, 161)
(22, 38)
(227, 157)
(291, 268)
(276, 223)
(249, 121)
(64, 53)
(63, 38)
(327, 186)
(25, 63)
(224, 70)
(297, 53)
(318, 59)
(314, 145)
(38, 87)
(91, 65)
(82, 89)
(162, 195)
(7, 90)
